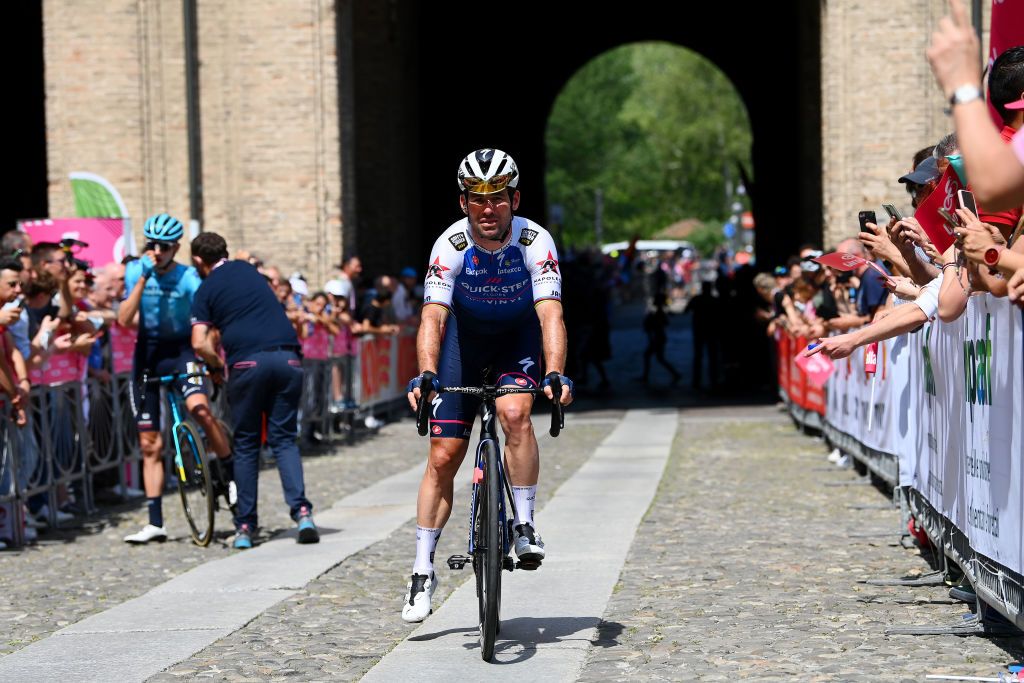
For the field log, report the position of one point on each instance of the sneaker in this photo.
(307, 528)
(843, 461)
(835, 455)
(373, 423)
(243, 538)
(417, 598)
(529, 546)
(148, 533)
(42, 517)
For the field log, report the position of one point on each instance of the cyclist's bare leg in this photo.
(199, 405)
(434, 503)
(522, 455)
(152, 443)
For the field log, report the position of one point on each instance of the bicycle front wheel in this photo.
(489, 550)
(194, 485)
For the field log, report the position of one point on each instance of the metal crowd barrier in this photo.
(81, 435)
(939, 360)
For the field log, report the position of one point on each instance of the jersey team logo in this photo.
(435, 269)
(548, 265)
(436, 429)
(476, 261)
(458, 241)
(521, 382)
(527, 236)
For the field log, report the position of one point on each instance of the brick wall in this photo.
(880, 104)
(115, 87)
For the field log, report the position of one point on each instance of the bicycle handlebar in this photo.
(557, 412)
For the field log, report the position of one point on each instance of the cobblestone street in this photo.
(747, 565)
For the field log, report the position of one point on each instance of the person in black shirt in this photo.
(265, 377)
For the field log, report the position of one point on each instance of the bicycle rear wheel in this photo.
(194, 485)
(489, 546)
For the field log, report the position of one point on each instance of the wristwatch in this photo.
(992, 255)
(963, 95)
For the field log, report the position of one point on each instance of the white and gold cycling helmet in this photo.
(487, 171)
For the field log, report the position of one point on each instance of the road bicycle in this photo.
(490, 528)
(191, 463)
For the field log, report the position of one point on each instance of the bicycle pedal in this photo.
(458, 561)
(529, 565)
(507, 563)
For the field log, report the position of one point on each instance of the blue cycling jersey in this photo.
(166, 308)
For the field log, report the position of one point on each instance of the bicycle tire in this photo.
(490, 552)
(194, 485)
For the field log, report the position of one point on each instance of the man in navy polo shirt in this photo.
(265, 377)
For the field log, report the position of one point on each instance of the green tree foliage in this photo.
(655, 127)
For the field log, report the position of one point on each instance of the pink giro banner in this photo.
(105, 236)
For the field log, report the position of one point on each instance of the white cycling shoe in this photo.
(148, 533)
(529, 546)
(417, 598)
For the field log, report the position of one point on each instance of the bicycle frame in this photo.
(174, 400)
(489, 433)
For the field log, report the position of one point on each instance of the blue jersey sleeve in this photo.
(132, 273)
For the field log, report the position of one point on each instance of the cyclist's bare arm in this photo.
(428, 342)
(552, 329)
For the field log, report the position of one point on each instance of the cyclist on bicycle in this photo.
(160, 292)
(492, 292)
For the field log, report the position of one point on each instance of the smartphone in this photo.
(893, 213)
(966, 198)
(866, 217)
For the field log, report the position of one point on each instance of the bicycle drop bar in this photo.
(493, 392)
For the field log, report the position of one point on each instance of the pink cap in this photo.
(1017, 104)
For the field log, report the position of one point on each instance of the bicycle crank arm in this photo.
(458, 561)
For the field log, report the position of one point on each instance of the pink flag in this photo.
(841, 261)
(818, 368)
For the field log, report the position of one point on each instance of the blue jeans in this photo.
(268, 382)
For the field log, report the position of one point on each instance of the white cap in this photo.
(338, 287)
(299, 286)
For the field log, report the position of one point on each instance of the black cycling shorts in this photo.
(155, 361)
(511, 357)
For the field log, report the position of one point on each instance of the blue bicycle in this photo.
(490, 529)
(191, 465)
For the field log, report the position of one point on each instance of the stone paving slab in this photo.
(98, 657)
(340, 624)
(86, 568)
(557, 607)
(229, 592)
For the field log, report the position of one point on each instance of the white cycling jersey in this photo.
(492, 291)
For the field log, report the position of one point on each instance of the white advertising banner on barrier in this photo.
(948, 404)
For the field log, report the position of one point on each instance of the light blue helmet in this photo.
(163, 227)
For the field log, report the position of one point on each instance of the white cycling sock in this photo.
(524, 497)
(426, 541)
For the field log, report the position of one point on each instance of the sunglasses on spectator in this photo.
(160, 246)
